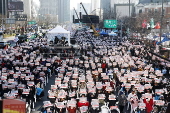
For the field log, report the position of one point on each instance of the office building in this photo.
(63, 11)
(3, 7)
(152, 1)
(102, 8)
(48, 11)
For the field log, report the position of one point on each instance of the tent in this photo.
(155, 36)
(112, 34)
(103, 33)
(165, 39)
(59, 32)
(115, 31)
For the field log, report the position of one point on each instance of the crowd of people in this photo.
(108, 76)
(24, 71)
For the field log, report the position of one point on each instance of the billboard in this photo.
(21, 17)
(93, 18)
(16, 6)
(110, 23)
(14, 106)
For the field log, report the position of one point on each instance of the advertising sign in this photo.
(16, 6)
(110, 23)
(21, 17)
(10, 20)
(14, 106)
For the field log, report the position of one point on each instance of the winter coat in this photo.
(133, 99)
(70, 110)
(79, 104)
(122, 100)
(39, 91)
(149, 105)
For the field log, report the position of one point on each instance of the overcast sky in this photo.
(73, 3)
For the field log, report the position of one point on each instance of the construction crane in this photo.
(77, 17)
(80, 25)
(92, 26)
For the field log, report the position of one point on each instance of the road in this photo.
(39, 104)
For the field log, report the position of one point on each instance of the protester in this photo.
(107, 76)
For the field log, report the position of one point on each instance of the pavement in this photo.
(39, 103)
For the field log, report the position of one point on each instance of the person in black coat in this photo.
(94, 110)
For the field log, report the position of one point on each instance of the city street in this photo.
(85, 56)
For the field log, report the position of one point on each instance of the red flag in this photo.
(144, 24)
(157, 25)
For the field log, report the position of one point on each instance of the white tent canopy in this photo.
(59, 32)
(59, 29)
(112, 34)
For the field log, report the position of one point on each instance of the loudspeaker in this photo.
(72, 41)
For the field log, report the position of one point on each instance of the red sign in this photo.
(14, 106)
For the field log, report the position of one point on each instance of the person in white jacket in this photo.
(133, 100)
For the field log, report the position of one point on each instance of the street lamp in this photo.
(161, 21)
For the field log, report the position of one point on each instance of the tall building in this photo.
(121, 7)
(152, 1)
(48, 11)
(106, 8)
(27, 8)
(3, 7)
(63, 11)
(154, 8)
(57, 10)
(101, 8)
(87, 6)
(48, 7)
(95, 4)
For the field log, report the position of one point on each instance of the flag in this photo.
(152, 23)
(144, 24)
(157, 25)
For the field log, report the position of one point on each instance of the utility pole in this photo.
(121, 31)
(2, 14)
(161, 21)
(129, 8)
(129, 18)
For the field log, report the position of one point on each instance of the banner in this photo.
(14, 106)
(17, 6)
(157, 25)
